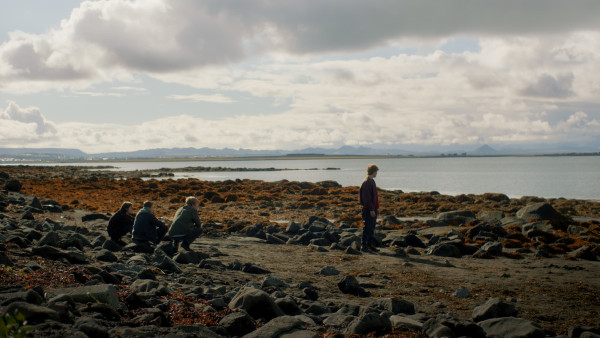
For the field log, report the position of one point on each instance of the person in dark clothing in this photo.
(186, 224)
(370, 208)
(121, 223)
(146, 227)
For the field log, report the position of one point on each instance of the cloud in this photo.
(214, 98)
(551, 87)
(104, 40)
(292, 130)
(26, 122)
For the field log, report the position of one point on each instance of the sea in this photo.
(573, 177)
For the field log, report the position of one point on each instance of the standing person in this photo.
(146, 227)
(121, 223)
(186, 224)
(370, 207)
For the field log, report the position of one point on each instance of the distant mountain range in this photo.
(64, 154)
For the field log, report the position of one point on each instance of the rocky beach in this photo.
(281, 259)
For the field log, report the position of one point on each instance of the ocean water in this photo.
(545, 176)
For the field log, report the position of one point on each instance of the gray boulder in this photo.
(33, 313)
(511, 327)
(5, 260)
(393, 305)
(398, 321)
(369, 322)
(238, 323)
(350, 285)
(256, 303)
(106, 256)
(493, 308)
(444, 250)
(493, 248)
(456, 217)
(543, 212)
(278, 327)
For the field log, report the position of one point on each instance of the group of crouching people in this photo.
(146, 229)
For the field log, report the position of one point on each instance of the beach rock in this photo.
(292, 228)
(94, 216)
(283, 326)
(254, 269)
(350, 285)
(274, 239)
(461, 293)
(585, 252)
(288, 306)
(393, 305)
(493, 308)
(269, 281)
(111, 245)
(493, 248)
(12, 185)
(238, 323)
(369, 322)
(490, 216)
(414, 241)
(106, 256)
(134, 301)
(53, 253)
(399, 321)
(511, 327)
(338, 320)
(543, 212)
(33, 313)
(190, 257)
(446, 325)
(444, 249)
(27, 215)
(256, 303)
(102, 293)
(456, 217)
(583, 332)
(5, 260)
(90, 327)
(329, 271)
(18, 241)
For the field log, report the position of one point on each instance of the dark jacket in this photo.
(144, 226)
(119, 224)
(368, 194)
(185, 219)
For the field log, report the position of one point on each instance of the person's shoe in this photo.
(176, 245)
(373, 248)
(186, 246)
(365, 249)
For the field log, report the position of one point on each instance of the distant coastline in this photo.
(279, 157)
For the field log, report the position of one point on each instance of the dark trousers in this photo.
(368, 227)
(116, 234)
(188, 238)
(161, 231)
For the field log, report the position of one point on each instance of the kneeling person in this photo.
(146, 227)
(186, 224)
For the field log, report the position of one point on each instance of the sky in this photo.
(117, 75)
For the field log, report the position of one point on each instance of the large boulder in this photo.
(33, 313)
(282, 326)
(493, 308)
(393, 305)
(456, 217)
(13, 185)
(238, 323)
(369, 322)
(444, 250)
(511, 327)
(256, 303)
(543, 212)
(350, 285)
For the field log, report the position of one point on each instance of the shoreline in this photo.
(284, 157)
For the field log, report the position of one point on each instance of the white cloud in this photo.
(24, 119)
(214, 98)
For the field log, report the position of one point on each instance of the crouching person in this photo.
(121, 223)
(146, 227)
(186, 224)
